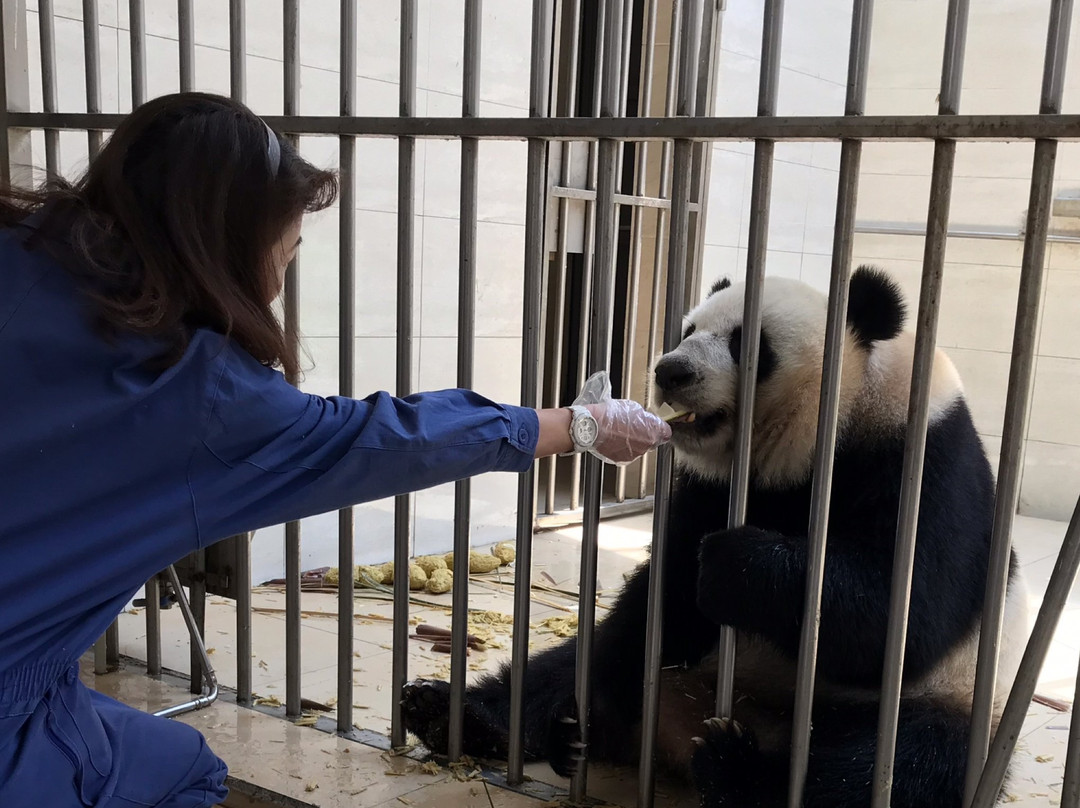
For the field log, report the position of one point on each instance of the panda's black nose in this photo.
(673, 373)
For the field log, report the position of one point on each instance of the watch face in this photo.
(585, 431)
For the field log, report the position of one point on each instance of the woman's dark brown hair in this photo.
(173, 225)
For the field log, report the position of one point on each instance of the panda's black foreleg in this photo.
(755, 580)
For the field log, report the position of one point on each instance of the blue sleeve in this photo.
(271, 453)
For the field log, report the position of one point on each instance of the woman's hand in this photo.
(626, 430)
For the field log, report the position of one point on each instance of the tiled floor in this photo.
(312, 767)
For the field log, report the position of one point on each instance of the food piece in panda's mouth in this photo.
(666, 413)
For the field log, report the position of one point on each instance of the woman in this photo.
(144, 418)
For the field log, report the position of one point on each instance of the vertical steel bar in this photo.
(1070, 791)
(291, 75)
(5, 146)
(403, 503)
(559, 278)
(112, 645)
(600, 317)
(347, 355)
(1027, 676)
(760, 195)
(92, 60)
(238, 90)
(829, 402)
(137, 33)
(47, 35)
(918, 407)
(197, 589)
(185, 19)
(670, 98)
(589, 254)
(459, 630)
(535, 258)
(637, 215)
(1021, 373)
(674, 307)
(153, 627)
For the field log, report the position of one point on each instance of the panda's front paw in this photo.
(425, 707)
(724, 762)
(566, 750)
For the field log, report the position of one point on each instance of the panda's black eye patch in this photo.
(689, 330)
(766, 356)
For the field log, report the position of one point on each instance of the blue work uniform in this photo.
(110, 471)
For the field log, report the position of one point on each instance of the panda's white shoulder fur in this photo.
(882, 400)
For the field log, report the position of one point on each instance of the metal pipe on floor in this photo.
(599, 358)
(346, 354)
(829, 402)
(535, 258)
(459, 626)
(760, 196)
(1021, 376)
(674, 307)
(405, 283)
(919, 407)
(198, 649)
(1027, 676)
(290, 101)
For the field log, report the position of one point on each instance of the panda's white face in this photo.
(701, 377)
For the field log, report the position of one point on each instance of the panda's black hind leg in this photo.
(729, 770)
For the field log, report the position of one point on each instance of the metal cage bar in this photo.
(1027, 675)
(689, 18)
(459, 628)
(829, 402)
(599, 358)
(760, 198)
(185, 18)
(403, 503)
(559, 278)
(535, 256)
(5, 132)
(47, 37)
(1021, 375)
(291, 77)
(238, 90)
(919, 408)
(1070, 791)
(346, 356)
(92, 62)
(137, 38)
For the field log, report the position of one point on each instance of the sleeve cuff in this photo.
(518, 453)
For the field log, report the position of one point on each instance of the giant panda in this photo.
(753, 578)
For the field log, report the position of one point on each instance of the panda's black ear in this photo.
(876, 309)
(719, 286)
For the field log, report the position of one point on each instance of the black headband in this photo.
(273, 150)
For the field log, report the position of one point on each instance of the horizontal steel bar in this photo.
(991, 234)
(800, 128)
(630, 200)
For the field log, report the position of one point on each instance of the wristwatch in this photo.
(583, 429)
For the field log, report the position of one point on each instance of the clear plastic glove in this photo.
(625, 429)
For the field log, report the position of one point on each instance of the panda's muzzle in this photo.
(676, 377)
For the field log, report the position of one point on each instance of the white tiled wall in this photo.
(500, 236)
(1002, 75)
